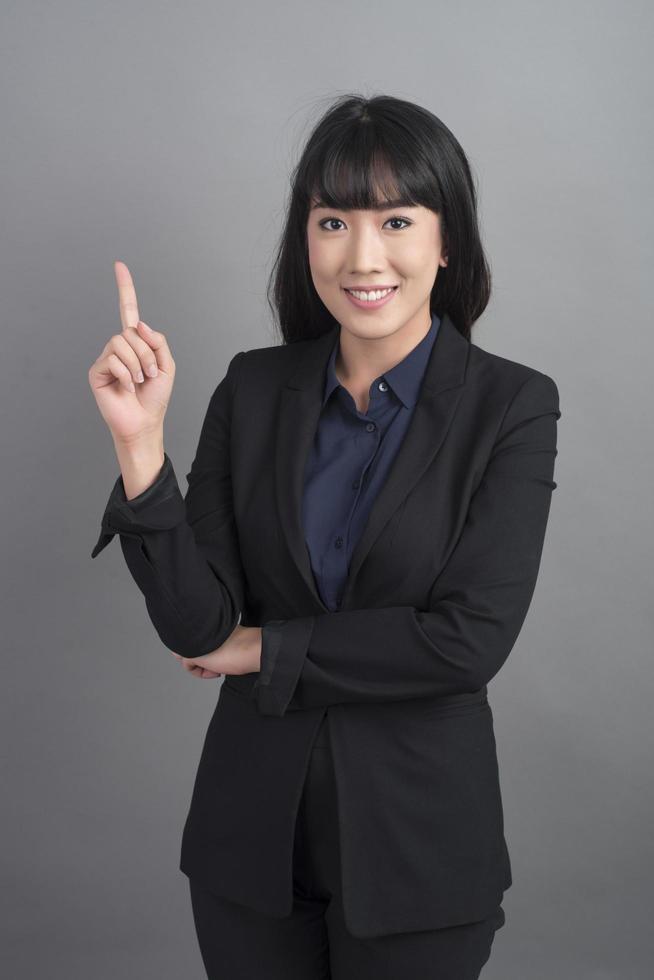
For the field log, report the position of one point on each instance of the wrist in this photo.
(140, 464)
(143, 447)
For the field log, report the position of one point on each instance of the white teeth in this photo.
(371, 296)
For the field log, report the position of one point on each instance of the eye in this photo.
(326, 221)
(405, 220)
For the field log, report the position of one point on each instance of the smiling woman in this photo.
(356, 554)
(383, 196)
(376, 259)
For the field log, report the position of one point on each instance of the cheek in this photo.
(417, 259)
(315, 247)
(321, 261)
(324, 259)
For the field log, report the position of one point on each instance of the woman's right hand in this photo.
(133, 416)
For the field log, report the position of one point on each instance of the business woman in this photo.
(355, 556)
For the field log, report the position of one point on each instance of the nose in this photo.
(365, 252)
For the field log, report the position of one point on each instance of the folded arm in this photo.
(477, 605)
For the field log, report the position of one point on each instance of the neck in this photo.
(360, 360)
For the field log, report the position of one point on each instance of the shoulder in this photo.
(277, 356)
(254, 377)
(492, 378)
(261, 360)
(268, 367)
(506, 379)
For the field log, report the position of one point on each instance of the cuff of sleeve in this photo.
(284, 645)
(159, 507)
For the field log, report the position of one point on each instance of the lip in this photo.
(367, 289)
(375, 305)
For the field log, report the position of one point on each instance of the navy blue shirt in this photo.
(350, 458)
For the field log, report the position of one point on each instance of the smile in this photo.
(371, 300)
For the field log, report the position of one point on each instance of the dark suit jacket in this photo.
(438, 588)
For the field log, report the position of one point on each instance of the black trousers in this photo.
(238, 943)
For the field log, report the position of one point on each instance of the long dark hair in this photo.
(362, 148)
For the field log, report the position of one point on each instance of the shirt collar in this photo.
(404, 378)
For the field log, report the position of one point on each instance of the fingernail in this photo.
(149, 329)
(131, 386)
(139, 376)
(152, 370)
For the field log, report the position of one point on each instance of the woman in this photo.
(370, 499)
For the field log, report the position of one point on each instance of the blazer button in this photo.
(370, 427)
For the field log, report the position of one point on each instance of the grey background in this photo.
(163, 135)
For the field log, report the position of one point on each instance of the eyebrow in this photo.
(379, 206)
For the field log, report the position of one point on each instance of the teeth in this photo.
(371, 296)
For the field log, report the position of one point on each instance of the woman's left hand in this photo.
(239, 654)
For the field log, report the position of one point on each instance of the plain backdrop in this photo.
(163, 135)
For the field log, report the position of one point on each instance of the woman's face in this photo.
(397, 246)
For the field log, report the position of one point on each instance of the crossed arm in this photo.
(477, 605)
(184, 557)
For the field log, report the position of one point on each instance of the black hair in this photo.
(361, 148)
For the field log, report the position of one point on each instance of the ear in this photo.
(444, 250)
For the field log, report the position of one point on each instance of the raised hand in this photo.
(132, 378)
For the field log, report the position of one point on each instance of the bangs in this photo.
(360, 173)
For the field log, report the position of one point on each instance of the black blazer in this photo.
(438, 588)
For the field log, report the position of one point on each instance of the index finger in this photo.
(129, 310)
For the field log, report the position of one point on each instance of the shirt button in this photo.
(338, 542)
(382, 386)
(370, 427)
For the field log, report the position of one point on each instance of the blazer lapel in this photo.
(299, 413)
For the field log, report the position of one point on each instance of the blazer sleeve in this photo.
(477, 604)
(183, 552)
